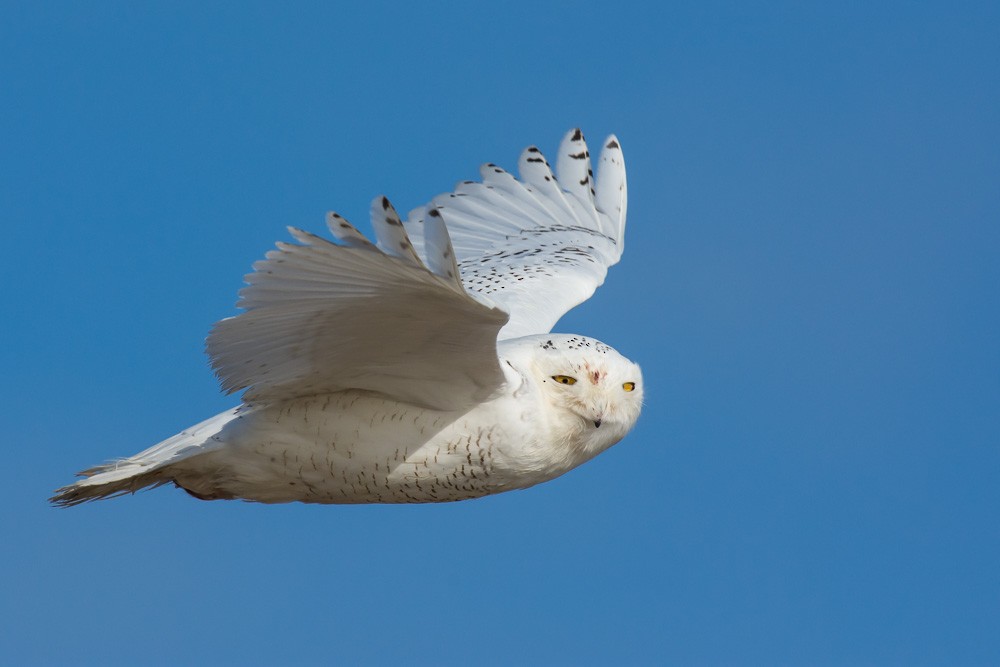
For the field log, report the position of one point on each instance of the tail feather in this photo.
(150, 468)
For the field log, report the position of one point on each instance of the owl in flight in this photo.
(418, 368)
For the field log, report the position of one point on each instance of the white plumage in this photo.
(418, 368)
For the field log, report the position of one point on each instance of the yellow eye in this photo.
(564, 379)
(628, 386)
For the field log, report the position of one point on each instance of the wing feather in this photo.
(612, 188)
(439, 251)
(573, 169)
(392, 237)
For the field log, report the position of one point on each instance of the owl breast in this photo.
(356, 447)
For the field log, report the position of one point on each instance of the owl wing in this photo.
(416, 316)
(538, 246)
(322, 317)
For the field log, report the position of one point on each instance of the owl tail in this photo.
(151, 468)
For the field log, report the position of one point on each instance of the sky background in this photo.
(811, 284)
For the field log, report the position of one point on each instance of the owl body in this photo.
(361, 447)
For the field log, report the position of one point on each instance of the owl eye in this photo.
(628, 386)
(564, 379)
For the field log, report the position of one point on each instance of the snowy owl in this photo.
(418, 368)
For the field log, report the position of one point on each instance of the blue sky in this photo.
(810, 284)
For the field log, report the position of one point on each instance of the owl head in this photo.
(588, 380)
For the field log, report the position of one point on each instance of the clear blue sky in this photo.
(811, 283)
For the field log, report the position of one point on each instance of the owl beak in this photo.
(597, 423)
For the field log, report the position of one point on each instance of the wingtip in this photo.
(382, 210)
(302, 236)
(573, 136)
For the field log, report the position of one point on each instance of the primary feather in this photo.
(417, 368)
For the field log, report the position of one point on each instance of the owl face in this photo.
(591, 380)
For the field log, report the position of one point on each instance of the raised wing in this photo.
(322, 317)
(538, 246)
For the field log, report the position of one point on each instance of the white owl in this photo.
(419, 368)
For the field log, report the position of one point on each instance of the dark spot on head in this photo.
(385, 203)
(577, 135)
(434, 213)
(613, 144)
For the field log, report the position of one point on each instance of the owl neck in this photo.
(565, 442)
